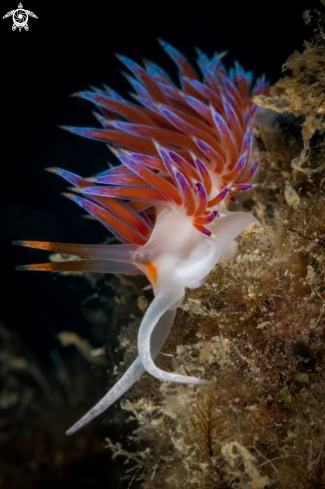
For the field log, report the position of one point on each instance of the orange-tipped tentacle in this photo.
(120, 252)
(93, 266)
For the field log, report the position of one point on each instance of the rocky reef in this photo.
(256, 327)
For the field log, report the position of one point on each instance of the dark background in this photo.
(70, 46)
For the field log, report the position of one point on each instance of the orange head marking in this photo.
(151, 273)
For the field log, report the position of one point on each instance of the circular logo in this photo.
(20, 18)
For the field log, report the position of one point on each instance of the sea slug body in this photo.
(183, 153)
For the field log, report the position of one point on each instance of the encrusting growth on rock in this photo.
(256, 327)
(302, 91)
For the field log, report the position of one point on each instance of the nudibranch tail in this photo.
(183, 154)
(133, 373)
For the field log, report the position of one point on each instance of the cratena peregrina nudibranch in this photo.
(183, 152)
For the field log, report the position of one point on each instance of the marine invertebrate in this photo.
(182, 153)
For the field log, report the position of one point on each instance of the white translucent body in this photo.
(183, 257)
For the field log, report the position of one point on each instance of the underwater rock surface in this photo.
(256, 327)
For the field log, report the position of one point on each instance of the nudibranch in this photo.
(184, 153)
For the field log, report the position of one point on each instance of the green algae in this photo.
(289, 400)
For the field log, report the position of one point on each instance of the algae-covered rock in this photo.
(301, 91)
(256, 328)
